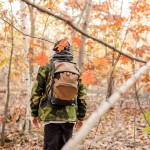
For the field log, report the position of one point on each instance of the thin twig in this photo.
(24, 33)
(142, 111)
(94, 134)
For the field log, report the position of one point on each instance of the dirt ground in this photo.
(121, 128)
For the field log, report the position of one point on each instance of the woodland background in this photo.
(110, 42)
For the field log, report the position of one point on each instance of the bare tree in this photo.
(28, 81)
(111, 79)
(32, 33)
(8, 81)
(84, 28)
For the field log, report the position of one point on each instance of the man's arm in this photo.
(81, 100)
(38, 90)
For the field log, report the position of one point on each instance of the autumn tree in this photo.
(110, 42)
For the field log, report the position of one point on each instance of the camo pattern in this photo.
(42, 108)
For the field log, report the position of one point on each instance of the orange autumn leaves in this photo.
(63, 43)
(42, 59)
(88, 77)
(77, 40)
(100, 61)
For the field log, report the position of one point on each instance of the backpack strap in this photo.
(52, 76)
(52, 80)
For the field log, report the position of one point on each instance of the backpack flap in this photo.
(66, 66)
(67, 86)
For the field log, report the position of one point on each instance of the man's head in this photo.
(62, 45)
(62, 50)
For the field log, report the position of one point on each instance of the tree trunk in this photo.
(32, 33)
(111, 79)
(8, 82)
(103, 108)
(84, 29)
(28, 82)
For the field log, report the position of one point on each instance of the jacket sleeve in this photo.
(37, 92)
(81, 100)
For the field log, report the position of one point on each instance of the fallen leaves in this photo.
(115, 131)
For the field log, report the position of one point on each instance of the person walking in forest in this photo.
(58, 97)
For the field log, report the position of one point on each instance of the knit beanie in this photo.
(67, 46)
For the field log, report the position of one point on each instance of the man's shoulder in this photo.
(47, 67)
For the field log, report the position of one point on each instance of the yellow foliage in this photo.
(4, 62)
(1, 5)
(1, 55)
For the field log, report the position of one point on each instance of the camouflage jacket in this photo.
(42, 108)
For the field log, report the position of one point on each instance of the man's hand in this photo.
(35, 122)
(78, 124)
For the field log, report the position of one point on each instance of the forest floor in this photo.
(120, 129)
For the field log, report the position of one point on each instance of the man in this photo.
(58, 120)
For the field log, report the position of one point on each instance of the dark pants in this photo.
(56, 135)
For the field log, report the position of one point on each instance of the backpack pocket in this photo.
(66, 87)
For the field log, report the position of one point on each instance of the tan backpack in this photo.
(64, 83)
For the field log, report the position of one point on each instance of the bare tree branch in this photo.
(69, 22)
(41, 38)
(24, 33)
(138, 100)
